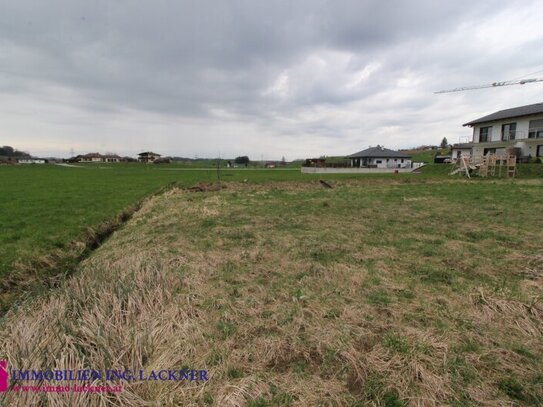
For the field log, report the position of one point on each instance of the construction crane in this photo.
(493, 85)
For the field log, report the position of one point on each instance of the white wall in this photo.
(31, 161)
(355, 170)
(385, 162)
(465, 152)
(393, 163)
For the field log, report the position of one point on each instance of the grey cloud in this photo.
(192, 59)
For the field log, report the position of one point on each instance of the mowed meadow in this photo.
(391, 290)
(51, 215)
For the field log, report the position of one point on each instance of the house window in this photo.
(378, 161)
(484, 134)
(539, 151)
(489, 151)
(536, 129)
(402, 160)
(508, 131)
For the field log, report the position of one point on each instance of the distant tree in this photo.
(243, 160)
(11, 152)
(444, 143)
(6, 150)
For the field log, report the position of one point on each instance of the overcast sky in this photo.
(259, 78)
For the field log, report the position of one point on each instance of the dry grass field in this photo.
(377, 292)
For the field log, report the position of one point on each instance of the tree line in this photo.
(8, 151)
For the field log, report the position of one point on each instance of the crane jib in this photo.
(493, 85)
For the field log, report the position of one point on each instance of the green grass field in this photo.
(45, 208)
(49, 209)
(428, 156)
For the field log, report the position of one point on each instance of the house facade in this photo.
(148, 157)
(112, 158)
(97, 158)
(90, 158)
(31, 161)
(380, 157)
(517, 131)
(460, 149)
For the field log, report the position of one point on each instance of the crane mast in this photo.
(492, 85)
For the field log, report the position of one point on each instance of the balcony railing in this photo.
(535, 132)
(517, 135)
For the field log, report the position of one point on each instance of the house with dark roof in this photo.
(96, 158)
(148, 157)
(89, 158)
(518, 131)
(112, 158)
(380, 157)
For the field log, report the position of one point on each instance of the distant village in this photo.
(373, 157)
(515, 133)
(10, 155)
(145, 157)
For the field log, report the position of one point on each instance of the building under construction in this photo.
(490, 165)
(517, 131)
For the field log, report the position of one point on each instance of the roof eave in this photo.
(479, 121)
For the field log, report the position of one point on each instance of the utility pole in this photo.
(219, 171)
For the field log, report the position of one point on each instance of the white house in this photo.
(380, 157)
(90, 158)
(97, 158)
(31, 161)
(518, 131)
(111, 158)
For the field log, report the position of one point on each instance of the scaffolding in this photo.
(463, 166)
(488, 165)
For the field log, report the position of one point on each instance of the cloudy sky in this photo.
(260, 78)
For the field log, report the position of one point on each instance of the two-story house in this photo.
(518, 130)
(148, 157)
